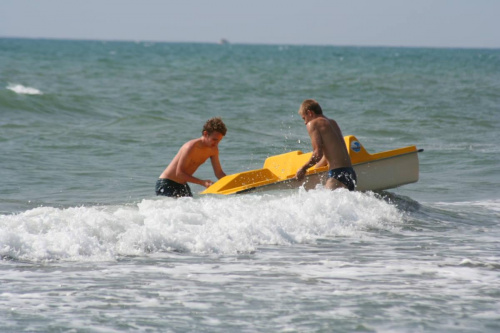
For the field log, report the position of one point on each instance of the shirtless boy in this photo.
(173, 180)
(328, 148)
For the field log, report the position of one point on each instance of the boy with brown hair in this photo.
(173, 180)
(328, 147)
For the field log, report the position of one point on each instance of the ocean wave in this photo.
(207, 225)
(23, 90)
(492, 205)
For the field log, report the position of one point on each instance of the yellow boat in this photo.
(375, 172)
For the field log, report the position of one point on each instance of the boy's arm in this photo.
(181, 167)
(317, 154)
(216, 165)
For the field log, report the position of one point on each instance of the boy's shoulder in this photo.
(188, 146)
(196, 144)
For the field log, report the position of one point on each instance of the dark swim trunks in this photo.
(346, 176)
(170, 188)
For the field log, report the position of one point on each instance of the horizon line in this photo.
(228, 42)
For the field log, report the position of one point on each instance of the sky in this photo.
(407, 23)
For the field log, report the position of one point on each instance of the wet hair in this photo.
(310, 104)
(215, 125)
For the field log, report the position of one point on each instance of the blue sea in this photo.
(86, 128)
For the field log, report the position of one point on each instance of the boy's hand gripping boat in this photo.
(375, 172)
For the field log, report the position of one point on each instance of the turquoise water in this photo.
(86, 127)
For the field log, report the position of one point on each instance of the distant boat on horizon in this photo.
(223, 41)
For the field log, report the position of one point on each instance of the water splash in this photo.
(23, 90)
(220, 225)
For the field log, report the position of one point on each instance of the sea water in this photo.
(86, 128)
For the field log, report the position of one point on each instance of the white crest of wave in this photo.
(224, 225)
(20, 89)
(488, 204)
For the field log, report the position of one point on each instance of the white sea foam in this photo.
(490, 204)
(228, 225)
(20, 89)
(493, 204)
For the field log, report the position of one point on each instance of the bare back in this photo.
(326, 134)
(187, 160)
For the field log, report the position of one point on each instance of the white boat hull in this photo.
(376, 175)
